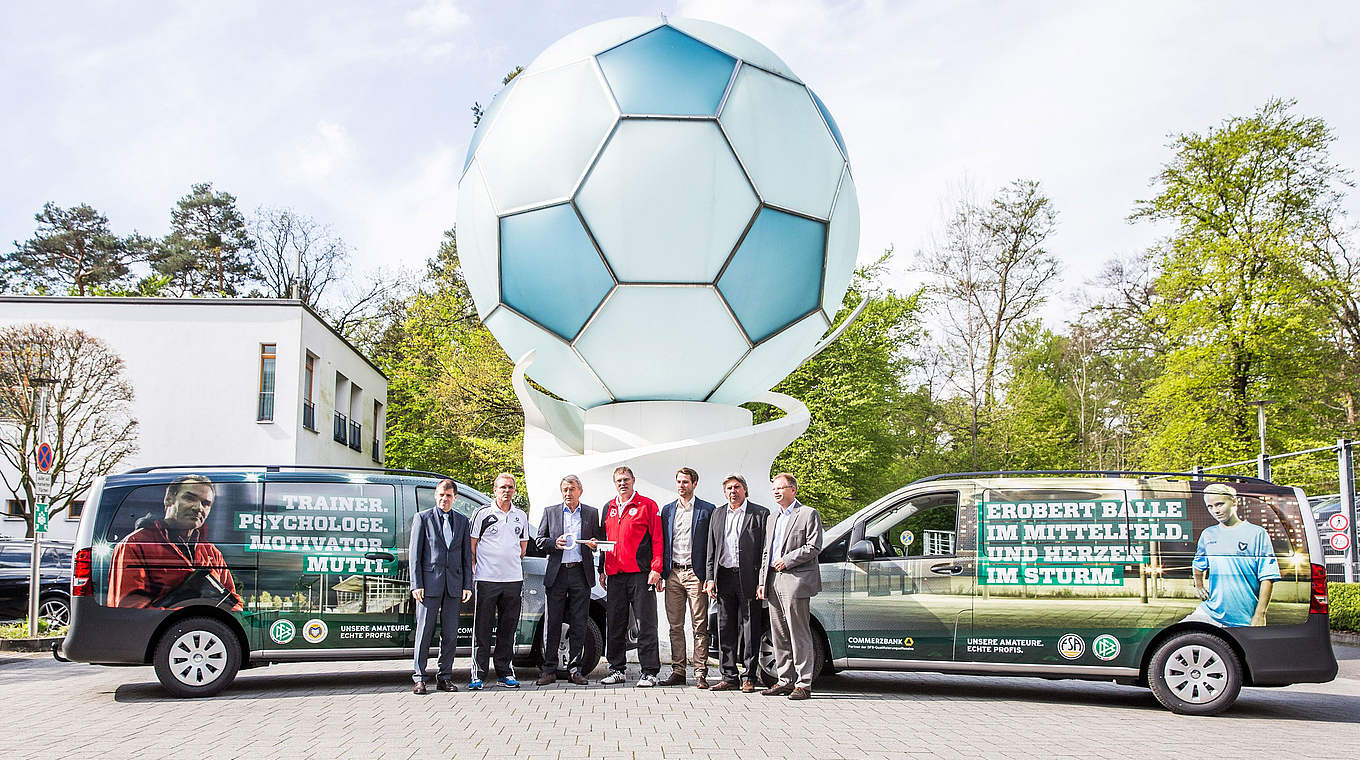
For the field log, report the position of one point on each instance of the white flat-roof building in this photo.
(225, 381)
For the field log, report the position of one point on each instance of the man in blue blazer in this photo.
(440, 559)
(684, 568)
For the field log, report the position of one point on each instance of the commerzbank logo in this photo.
(282, 631)
(1105, 646)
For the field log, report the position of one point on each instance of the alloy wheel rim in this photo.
(198, 658)
(1196, 674)
(56, 613)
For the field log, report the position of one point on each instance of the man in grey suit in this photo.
(440, 560)
(567, 534)
(736, 533)
(790, 577)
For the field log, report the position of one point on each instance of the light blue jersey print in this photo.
(1236, 559)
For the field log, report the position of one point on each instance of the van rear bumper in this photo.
(1286, 654)
(109, 635)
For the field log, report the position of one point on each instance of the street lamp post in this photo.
(41, 494)
(1262, 461)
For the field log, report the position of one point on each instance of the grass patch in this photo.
(19, 630)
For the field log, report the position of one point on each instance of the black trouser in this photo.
(738, 626)
(626, 591)
(497, 603)
(569, 598)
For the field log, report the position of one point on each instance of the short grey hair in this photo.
(571, 479)
(737, 477)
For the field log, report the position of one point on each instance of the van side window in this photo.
(923, 526)
(461, 504)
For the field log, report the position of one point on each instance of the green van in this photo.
(1193, 587)
(287, 564)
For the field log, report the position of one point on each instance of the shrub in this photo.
(1344, 601)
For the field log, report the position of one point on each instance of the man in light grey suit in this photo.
(440, 559)
(790, 577)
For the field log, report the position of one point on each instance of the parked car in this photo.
(291, 564)
(54, 578)
(1078, 577)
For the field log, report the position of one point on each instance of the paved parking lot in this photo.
(366, 710)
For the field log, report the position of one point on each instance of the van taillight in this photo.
(1319, 603)
(81, 571)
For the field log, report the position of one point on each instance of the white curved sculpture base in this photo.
(654, 438)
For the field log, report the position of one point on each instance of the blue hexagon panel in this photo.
(775, 276)
(666, 71)
(551, 240)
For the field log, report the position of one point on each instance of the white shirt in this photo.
(498, 534)
(732, 535)
(571, 526)
(781, 526)
(682, 526)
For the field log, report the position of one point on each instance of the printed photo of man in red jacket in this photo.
(165, 562)
(631, 578)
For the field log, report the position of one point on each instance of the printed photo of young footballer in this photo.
(1235, 565)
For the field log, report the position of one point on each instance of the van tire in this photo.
(197, 657)
(765, 660)
(590, 653)
(1195, 673)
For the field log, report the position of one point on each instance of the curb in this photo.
(1346, 638)
(29, 645)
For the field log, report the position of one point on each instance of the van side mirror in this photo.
(861, 551)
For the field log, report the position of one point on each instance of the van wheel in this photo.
(1195, 674)
(197, 657)
(590, 653)
(765, 660)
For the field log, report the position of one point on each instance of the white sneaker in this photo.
(615, 676)
(646, 680)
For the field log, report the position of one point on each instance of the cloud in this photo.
(322, 155)
(438, 17)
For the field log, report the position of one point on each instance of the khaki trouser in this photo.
(790, 633)
(683, 586)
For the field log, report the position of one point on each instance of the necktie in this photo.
(448, 529)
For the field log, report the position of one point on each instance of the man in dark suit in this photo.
(567, 534)
(440, 560)
(736, 536)
(684, 568)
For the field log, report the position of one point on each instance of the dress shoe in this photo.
(545, 678)
(778, 690)
(419, 688)
(445, 684)
(700, 682)
(723, 685)
(674, 679)
(800, 692)
(748, 686)
(577, 678)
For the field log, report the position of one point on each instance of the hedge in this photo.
(1344, 600)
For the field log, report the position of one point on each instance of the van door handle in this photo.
(389, 556)
(947, 569)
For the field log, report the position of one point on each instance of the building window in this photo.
(308, 406)
(15, 507)
(377, 428)
(267, 357)
(76, 509)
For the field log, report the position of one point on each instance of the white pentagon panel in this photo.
(771, 361)
(593, 39)
(783, 142)
(661, 342)
(477, 244)
(669, 215)
(842, 247)
(545, 135)
(555, 361)
(734, 43)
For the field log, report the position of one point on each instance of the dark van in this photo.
(291, 564)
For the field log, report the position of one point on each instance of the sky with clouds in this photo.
(358, 113)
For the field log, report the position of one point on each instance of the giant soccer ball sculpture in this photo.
(656, 211)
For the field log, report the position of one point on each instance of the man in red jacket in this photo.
(165, 561)
(632, 576)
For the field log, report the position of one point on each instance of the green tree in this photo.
(1245, 199)
(73, 248)
(208, 249)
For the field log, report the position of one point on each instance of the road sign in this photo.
(42, 482)
(44, 457)
(40, 518)
(1338, 521)
(1340, 542)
